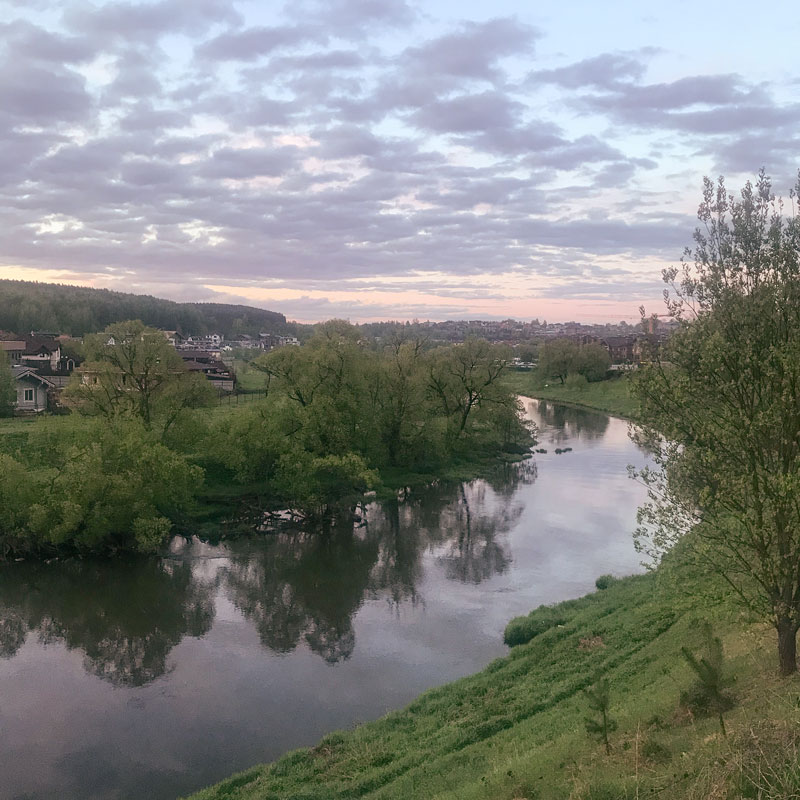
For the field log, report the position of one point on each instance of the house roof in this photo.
(11, 345)
(36, 344)
(28, 372)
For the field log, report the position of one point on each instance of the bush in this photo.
(604, 581)
(522, 629)
(577, 382)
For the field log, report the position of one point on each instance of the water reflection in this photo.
(125, 617)
(566, 422)
(300, 586)
(294, 586)
(303, 585)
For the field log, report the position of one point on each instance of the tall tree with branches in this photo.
(720, 405)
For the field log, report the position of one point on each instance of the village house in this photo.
(221, 377)
(40, 367)
(34, 392)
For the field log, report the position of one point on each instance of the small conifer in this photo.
(601, 725)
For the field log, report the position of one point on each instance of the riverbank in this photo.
(516, 729)
(613, 396)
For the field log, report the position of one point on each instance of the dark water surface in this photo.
(154, 678)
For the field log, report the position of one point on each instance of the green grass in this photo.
(516, 730)
(612, 396)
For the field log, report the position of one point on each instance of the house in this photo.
(14, 348)
(212, 366)
(622, 349)
(33, 390)
(174, 338)
(41, 351)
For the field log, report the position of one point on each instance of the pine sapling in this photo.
(601, 725)
(708, 693)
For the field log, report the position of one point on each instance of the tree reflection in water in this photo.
(124, 616)
(301, 586)
(565, 422)
(304, 585)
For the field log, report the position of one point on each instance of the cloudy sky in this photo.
(383, 158)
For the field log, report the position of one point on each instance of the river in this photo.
(155, 677)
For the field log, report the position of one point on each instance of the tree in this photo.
(709, 692)
(599, 700)
(132, 370)
(558, 358)
(721, 406)
(592, 361)
(8, 386)
(466, 376)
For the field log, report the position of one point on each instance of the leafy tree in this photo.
(599, 700)
(319, 486)
(132, 370)
(721, 406)
(592, 361)
(465, 377)
(709, 693)
(119, 489)
(8, 387)
(557, 358)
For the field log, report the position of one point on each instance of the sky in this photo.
(384, 159)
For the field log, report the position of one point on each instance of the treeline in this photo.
(27, 306)
(339, 417)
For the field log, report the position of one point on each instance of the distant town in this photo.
(43, 362)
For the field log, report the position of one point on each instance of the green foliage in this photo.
(709, 694)
(720, 406)
(604, 581)
(592, 362)
(131, 370)
(118, 488)
(557, 358)
(561, 358)
(320, 485)
(8, 387)
(598, 699)
(521, 630)
(76, 310)
(400, 409)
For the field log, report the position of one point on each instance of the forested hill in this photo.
(76, 310)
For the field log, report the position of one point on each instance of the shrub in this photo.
(604, 581)
(522, 629)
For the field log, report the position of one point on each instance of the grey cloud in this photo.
(353, 18)
(248, 163)
(605, 71)
(143, 117)
(149, 21)
(253, 43)
(473, 51)
(22, 39)
(149, 173)
(475, 112)
(32, 94)
(136, 77)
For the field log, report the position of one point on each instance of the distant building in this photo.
(212, 366)
(34, 391)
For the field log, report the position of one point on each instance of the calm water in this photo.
(154, 678)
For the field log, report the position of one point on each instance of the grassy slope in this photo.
(612, 396)
(516, 729)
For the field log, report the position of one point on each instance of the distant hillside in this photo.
(26, 306)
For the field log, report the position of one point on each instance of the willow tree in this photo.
(720, 405)
(131, 370)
